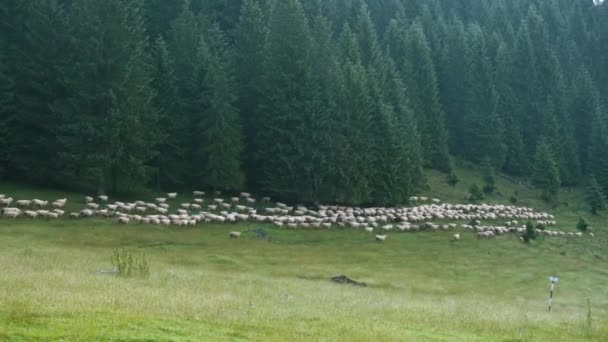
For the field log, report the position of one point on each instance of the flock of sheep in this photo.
(243, 208)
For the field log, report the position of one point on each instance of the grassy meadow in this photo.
(204, 286)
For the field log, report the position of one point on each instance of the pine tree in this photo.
(483, 133)
(325, 128)
(184, 39)
(110, 130)
(158, 17)
(355, 163)
(516, 162)
(598, 158)
(546, 173)
(7, 111)
(250, 35)
(284, 103)
(407, 161)
(36, 60)
(419, 73)
(171, 162)
(451, 77)
(218, 142)
(585, 110)
(595, 197)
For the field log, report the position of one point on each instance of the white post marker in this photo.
(553, 282)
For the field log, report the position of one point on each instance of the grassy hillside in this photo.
(204, 286)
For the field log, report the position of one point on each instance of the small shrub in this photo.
(582, 224)
(488, 177)
(475, 193)
(453, 179)
(530, 233)
(126, 265)
(513, 199)
(540, 226)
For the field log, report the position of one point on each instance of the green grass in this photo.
(207, 287)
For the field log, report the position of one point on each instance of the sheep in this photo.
(185, 205)
(198, 200)
(30, 213)
(198, 193)
(92, 205)
(380, 238)
(12, 212)
(103, 198)
(172, 195)
(235, 199)
(369, 229)
(123, 220)
(60, 203)
(456, 237)
(250, 200)
(39, 203)
(591, 234)
(86, 213)
(235, 235)
(24, 203)
(160, 200)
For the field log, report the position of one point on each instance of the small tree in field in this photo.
(475, 193)
(488, 177)
(530, 233)
(546, 172)
(595, 197)
(582, 225)
(453, 179)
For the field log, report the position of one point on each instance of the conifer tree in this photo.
(325, 129)
(419, 73)
(516, 162)
(355, 161)
(111, 126)
(37, 58)
(218, 138)
(250, 35)
(171, 162)
(598, 158)
(546, 172)
(453, 93)
(7, 111)
(284, 103)
(483, 133)
(595, 197)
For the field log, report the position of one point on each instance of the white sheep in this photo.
(172, 195)
(235, 235)
(380, 238)
(456, 237)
